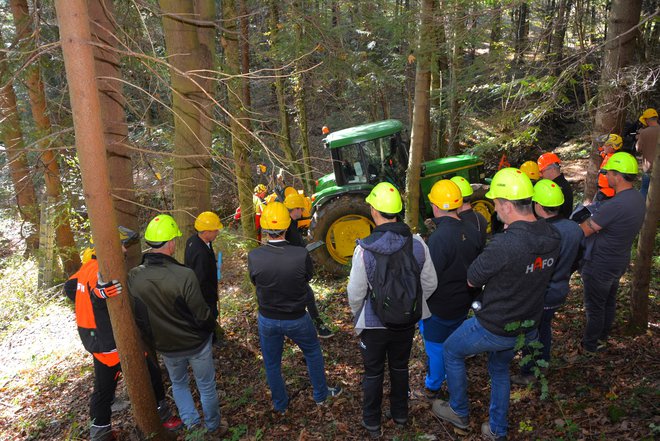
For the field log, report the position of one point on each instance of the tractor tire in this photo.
(338, 223)
(484, 206)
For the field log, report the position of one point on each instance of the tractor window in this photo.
(386, 161)
(351, 164)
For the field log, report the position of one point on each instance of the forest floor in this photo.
(46, 377)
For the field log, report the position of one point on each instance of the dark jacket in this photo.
(281, 273)
(478, 221)
(567, 207)
(200, 258)
(571, 238)
(168, 304)
(515, 268)
(92, 315)
(453, 246)
(293, 235)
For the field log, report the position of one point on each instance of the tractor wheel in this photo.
(483, 206)
(338, 223)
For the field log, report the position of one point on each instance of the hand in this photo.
(104, 290)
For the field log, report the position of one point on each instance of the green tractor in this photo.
(362, 157)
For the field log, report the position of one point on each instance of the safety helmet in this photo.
(510, 183)
(294, 200)
(446, 195)
(208, 221)
(261, 169)
(548, 194)
(261, 188)
(289, 190)
(385, 198)
(614, 140)
(275, 217)
(648, 113)
(531, 169)
(464, 185)
(623, 163)
(127, 236)
(161, 229)
(546, 160)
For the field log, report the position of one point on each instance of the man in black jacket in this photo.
(175, 320)
(200, 257)
(514, 269)
(281, 273)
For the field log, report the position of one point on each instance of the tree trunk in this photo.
(641, 278)
(21, 175)
(74, 25)
(301, 108)
(559, 34)
(239, 133)
(244, 46)
(619, 51)
(64, 237)
(522, 29)
(115, 127)
(496, 26)
(420, 113)
(440, 67)
(458, 32)
(192, 181)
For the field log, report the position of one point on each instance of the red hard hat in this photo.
(546, 160)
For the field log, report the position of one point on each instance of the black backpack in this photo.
(396, 289)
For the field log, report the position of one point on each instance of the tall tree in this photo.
(75, 35)
(619, 51)
(192, 181)
(420, 113)
(12, 135)
(521, 31)
(458, 32)
(641, 280)
(113, 113)
(239, 133)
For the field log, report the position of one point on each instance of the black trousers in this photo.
(105, 384)
(377, 345)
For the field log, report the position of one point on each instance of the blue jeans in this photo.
(204, 372)
(303, 334)
(472, 338)
(435, 331)
(646, 182)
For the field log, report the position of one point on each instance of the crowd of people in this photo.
(467, 292)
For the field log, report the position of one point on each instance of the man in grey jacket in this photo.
(376, 341)
(176, 321)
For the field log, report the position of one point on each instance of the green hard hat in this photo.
(385, 198)
(464, 185)
(510, 183)
(623, 163)
(162, 228)
(548, 194)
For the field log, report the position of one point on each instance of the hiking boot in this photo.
(103, 433)
(523, 379)
(333, 392)
(374, 432)
(425, 394)
(218, 433)
(488, 434)
(400, 422)
(323, 331)
(443, 411)
(173, 423)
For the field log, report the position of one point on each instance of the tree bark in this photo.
(21, 175)
(559, 34)
(522, 28)
(115, 127)
(458, 32)
(420, 113)
(239, 133)
(192, 180)
(612, 99)
(75, 36)
(641, 278)
(244, 46)
(48, 157)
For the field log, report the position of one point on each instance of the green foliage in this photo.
(534, 348)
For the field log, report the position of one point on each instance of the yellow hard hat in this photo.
(275, 217)
(531, 169)
(648, 113)
(294, 200)
(446, 195)
(261, 188)
(208, 221)
(289, 190)
(614, 140)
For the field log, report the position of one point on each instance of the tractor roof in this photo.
(365, 132)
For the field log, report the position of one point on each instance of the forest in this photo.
(112, 112)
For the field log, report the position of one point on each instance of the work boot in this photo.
(442, 410)
(523, 379)
(400, 422)
(488, 434)
(102, 433)
(170, 422)
(218, 433)
(374, 432)
(333, 392)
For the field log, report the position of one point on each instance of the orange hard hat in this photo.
(325, 130)
(546, 160)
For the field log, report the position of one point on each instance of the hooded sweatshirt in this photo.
(515, 268)
(385, 239)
